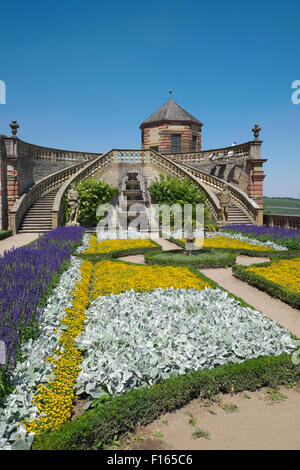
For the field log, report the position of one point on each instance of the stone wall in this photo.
(42, 169)
(236, 172)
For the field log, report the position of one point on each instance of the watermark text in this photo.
(2, 92)
(296, 94)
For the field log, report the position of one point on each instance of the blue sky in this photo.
(84, 75)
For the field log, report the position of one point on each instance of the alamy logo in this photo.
(2, 92)
(2, 353)
(296, 93)
(159, 220)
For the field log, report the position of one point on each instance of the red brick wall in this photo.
(256, 178)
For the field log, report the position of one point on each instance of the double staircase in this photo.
(39, 216)
(41, 208)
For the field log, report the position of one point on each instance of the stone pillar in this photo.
(12, 181)
(3, 194)
(256, 177)
(256, 174)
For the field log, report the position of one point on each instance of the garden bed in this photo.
(279, 278)
(237, 251)
(115, 415)
(138, 341)
(289, 238)
(97, 250)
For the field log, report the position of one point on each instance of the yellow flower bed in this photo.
(55, 400)
(224, 242)
(106, 246)
(116, 277)
(286, 273)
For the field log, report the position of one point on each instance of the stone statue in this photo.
(225, 198)
(74, 201)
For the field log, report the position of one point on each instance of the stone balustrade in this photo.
(238, 196)
(37, 152)
(130, 156)
(214, 155)
(282, 221)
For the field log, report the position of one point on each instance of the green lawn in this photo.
(282, 205)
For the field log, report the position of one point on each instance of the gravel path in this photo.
(15, 241)
(252, 420)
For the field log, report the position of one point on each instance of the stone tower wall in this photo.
(160, 136)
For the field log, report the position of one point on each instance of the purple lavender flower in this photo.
(286, 237)
(26, 274)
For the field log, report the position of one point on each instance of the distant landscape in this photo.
(282, 205)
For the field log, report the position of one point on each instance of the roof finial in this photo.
(170, 93)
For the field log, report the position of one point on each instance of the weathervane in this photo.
(170, 93)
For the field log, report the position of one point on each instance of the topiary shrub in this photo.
(92, 193)
(169, 190)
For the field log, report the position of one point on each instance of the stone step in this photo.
(33, 224)
(40, 211)
(32, 220)
(34, 230)
(38, 217)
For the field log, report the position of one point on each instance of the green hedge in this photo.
(275, 290)
(5, 234)
(240, 251)
(203, 258)
(97, 428)
(289, 254)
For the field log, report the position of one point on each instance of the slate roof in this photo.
(170, 111)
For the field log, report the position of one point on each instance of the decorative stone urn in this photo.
(14, 127)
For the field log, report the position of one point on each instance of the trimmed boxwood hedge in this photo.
(202, 259)
(275, 290)
(289, 254)
(236, 251)
(97, 428)
(5, 233)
